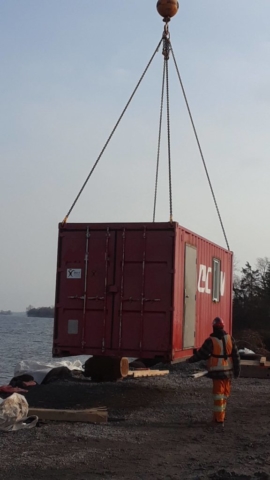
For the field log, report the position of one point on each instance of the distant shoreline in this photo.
(24, 315)
(41, 312)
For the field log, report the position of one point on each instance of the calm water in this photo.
(23, 338)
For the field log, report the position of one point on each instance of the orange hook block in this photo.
(167, 8)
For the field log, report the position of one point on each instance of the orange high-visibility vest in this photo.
(221, 358)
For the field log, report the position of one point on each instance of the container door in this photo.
(85, 289)
(114, 290)
(190, 296)
(144, 273)
(100, 289)
(70, 297)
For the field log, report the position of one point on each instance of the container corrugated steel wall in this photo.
(206, 308)
(120, 290)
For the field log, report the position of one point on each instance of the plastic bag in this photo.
(12, 410)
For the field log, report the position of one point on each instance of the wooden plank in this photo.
(93, 415)
(254, 372)
(148, 373)
(199, 374)
(251, 363)
(255, 363)
(139, 370)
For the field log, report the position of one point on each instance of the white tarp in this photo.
(246, 351)
(39, 370)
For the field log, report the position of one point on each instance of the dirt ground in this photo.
(158, 429)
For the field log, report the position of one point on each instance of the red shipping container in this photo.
(138, 290)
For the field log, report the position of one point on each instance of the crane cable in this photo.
(200, 148)
(112, 133)
(165, 81)
(167, 48)
(159, 140)
(166, 53)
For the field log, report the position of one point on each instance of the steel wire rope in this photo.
(169, 137)
(112, 133)
(200, 149)
(159, 139)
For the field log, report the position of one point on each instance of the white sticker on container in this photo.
(74, 273)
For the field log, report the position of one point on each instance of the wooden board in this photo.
(148, 373)
(93, 415)
(251, 363)
(248, 371)
(256, 363)
(199, 374)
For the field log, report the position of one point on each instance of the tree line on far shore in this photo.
(251, 302)
(42, 312)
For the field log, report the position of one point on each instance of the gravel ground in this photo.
(158, 429)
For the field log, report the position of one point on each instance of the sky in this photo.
(67, 70)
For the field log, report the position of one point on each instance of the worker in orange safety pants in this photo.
(223, 363)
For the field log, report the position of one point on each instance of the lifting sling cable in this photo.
(112, 133)
(166, 53)
(200, 148)
(167, 47)
(165, 80)
(159, 140)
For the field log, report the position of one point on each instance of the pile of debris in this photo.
(251, 340)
